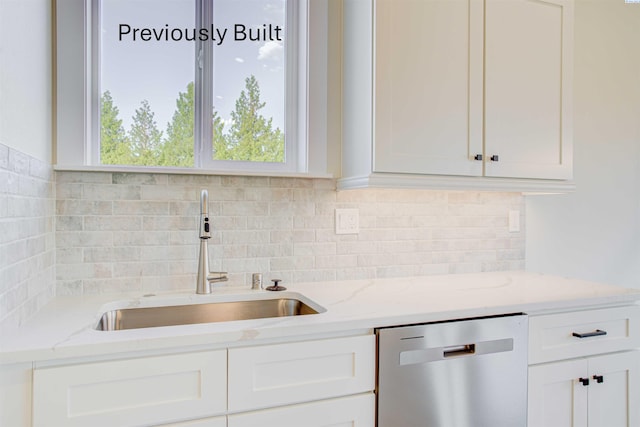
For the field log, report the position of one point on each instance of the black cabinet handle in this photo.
(596, 333)
(599, 379)
(584, 381)
(494, 158)
(478, 157)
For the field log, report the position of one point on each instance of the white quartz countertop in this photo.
(65, 327)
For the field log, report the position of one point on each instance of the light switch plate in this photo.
(347, 221)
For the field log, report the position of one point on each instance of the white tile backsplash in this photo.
(119, 231)
(27, 236)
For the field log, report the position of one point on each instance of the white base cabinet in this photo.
(575, 384)
(133, 392)
(273, 375)
(209, 422)
(327, 382)
(352, 411)
(596, 392)
(15, 394)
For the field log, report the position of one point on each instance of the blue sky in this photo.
(158, 70)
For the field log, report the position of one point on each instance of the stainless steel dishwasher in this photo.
(453, 374)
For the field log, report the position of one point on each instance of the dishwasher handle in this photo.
(458, 350)
(434, 354)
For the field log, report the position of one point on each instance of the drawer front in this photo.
(281, 374)
(208, 422)
(352, 411)
(131, 392)
(583, 333)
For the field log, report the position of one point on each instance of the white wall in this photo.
(27, 192)
(594, 233)
(25, 76)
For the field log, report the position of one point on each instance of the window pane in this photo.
(146, 82)
(249, 81)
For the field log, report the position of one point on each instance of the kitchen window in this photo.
(194, 85)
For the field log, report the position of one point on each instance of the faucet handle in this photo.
(217, 276)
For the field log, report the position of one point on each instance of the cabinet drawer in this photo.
(583, 333)
(352, 411)
(282, 374)
(208, 422)
(131, 392)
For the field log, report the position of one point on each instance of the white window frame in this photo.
(78, 97)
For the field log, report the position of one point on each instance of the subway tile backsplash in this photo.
(27, 236)
(118, 231)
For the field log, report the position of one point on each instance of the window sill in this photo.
(188, 171)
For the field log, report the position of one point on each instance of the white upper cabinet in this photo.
(527, 84)
(458, 88)
(428, 87)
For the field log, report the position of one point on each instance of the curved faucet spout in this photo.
(204, 202)
(206, 277)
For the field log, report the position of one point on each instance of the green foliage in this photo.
(221, 149)
(145, 137)
(114, 145)
(177, 149)
(251, 136)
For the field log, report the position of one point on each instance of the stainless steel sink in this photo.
(222, 311)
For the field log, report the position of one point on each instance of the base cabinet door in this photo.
(289, 373)
(614, 392)
(556, 397)
(133, 392)
(599, 391)
(352, 411)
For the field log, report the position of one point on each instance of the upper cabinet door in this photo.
(528, 73)
(428, 86)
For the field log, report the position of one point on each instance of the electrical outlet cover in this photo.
(347, 221)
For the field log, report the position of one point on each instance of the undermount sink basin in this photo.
(211, 312)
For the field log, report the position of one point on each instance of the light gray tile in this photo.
(112, 223)
(18, 162)
(140, 208)
(86, 239)
(84, 177)
(111, 192)
(139, 179)
(83, 207)
(4, 157)
(69, 223)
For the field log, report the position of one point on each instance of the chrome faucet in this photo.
(206, 277)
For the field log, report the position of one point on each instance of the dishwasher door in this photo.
(453, 374)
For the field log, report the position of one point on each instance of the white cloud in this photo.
(271, 50)
(240, 60)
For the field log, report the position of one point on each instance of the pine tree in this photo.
(177, 149)
(114, 145)
(145, 137)
(251, 136)
(221, 149)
